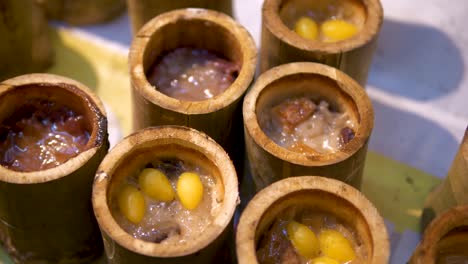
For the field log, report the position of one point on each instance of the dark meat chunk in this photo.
(292, 112)
(170, 166)
(347, 134)
(290, 256)
(166, 230)
(274, 243)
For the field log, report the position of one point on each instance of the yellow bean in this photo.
(323, 260)
(303, 239)
(132, 204)
(189, 190)
(156, 185)
(306, 28)
(334, 245)
(336, 30)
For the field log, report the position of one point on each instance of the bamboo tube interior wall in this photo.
(26, 46)
(132, 154)
(453, 190)
(221, 116)
(317, 193)
(83, 12)
(47, 215)
(446, 234)
(280, 44)
(141, 11)
(270, 162)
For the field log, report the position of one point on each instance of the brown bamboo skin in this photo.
(452, 191)
(445, 232)
(133, 153)
(141, 11)
(46, 216)
(328, 195)
(221, 116)
(83, 12)
(26, 46)
(280, 44)
(268, 161)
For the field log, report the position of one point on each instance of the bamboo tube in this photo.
(221, 116)
(83, 12)
(46, 216)
(280, 44)
(134, 153)
(141, 11)
(447, 234)
(333, 197)
(452, 191)
(270, 162)
(25, 45)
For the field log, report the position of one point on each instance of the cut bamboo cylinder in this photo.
(134, 153)
(446, 235)
(280, 44)
(142, 11)
(83, 12)
(46, 216)
(221, 116)
(270, 162)
(453, 190)
(26, 46)
(332, 197)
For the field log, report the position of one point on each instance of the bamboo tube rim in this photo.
(229, 96)
(166, 135)
(265, 199)
(426, 252)
(97, 135)
(457, 186)
(465, 145)
(345, 83)
(273, 22)
(451, 191)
